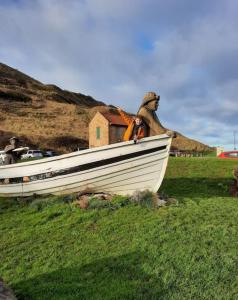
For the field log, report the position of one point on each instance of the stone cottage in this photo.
(106, 128)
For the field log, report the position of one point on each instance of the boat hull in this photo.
(121, 168)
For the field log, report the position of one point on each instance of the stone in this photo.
(171, 201)
(161, 202)
(83, 202)
(83, 199)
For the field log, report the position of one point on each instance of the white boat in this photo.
(120, 168)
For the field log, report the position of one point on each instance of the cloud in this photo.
(117, 50)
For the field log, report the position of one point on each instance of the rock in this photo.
(161, 202)
(166, 200)
(171, 201)
(83, 199)
(5, 292)
(83, 202)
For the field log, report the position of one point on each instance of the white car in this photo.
(2, 157)
(32, 154)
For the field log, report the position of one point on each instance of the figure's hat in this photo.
(14, 138)
(150, 96)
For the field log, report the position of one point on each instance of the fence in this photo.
(183, 153)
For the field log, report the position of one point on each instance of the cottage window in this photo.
(98, 133)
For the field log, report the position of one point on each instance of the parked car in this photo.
(173, 153)
(2, 157)
(32, 154)
(49, 153)
(229, 154)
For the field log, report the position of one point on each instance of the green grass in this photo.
(50, 249)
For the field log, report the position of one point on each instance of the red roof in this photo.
(114, 119)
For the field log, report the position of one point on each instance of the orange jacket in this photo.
(131, 123)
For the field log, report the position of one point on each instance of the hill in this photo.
(16, 86)
(43, 115)
(50, 249)
(48, 117)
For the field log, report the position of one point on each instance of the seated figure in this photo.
(148, 110)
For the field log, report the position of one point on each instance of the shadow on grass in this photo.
(110, 278)
(196, 187)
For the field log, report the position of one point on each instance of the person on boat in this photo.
(147, 110)
(136, 127)
(11, 156)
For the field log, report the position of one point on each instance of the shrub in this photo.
(120, 201)
(95, 203)
(42, 202)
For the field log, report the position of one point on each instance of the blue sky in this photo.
(115, 51)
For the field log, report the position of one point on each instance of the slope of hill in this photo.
(46, 116)
(43, 115)
(16, 86)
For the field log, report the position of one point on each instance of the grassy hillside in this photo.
(16, 86)
(59, 126)
(43, 115)
(53, 250)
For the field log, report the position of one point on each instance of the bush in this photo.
(42, 202)
(120, 201)
(39, 204)
(95, 203)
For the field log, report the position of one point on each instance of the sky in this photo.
(117, 50)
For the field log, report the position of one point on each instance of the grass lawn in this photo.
(52, 250)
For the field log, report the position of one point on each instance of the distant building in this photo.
(219, 150)
(106, 128)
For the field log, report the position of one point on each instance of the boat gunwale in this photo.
(83, 152)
